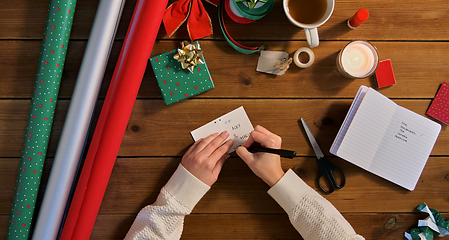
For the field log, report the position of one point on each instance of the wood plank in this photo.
(13, 118)
(136, 182)
(273, 226)
(239, 78)
(398, 20)
(26, 20)
(10, 167)
(322, 80)
(149, 135)
(385, 226)
(19, 63)
(371, 226)
(155, 129)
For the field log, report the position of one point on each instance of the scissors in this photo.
(326, 169)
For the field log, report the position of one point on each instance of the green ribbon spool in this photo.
(255, 13)
(237, 46)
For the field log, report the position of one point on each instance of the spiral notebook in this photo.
(386, 139)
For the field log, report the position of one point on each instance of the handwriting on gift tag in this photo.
(245, 136)
(236, 127)
(236, 123)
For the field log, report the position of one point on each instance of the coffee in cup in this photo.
(307, 11)
(309, 14)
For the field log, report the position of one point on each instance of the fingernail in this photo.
(225, 133)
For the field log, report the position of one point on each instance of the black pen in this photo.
(280, 152)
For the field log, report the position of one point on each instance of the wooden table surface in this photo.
(413, 34)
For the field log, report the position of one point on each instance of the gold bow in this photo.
(189, 55)
(251, 3)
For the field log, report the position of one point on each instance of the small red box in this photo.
(384, 74)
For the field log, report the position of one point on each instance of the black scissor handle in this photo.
(343, 178)
(326, 169)
(328, 179)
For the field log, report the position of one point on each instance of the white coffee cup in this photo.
(311, 29)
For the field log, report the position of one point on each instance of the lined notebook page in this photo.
(389, 140)
(367, 129)
(348, 119)
(406, 147)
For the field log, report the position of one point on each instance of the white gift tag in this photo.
(236, 123)
(268, 59)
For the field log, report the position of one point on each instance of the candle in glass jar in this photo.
(358, 59)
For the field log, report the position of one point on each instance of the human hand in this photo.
(205, 157)
(267, 166)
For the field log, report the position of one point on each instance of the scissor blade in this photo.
(312, 140)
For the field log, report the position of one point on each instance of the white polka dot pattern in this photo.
(440, 104)
(176, 83)
(40, 118)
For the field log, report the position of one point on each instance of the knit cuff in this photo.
(288, 191)
(186, 188)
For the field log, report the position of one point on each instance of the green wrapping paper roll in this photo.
(40, 117)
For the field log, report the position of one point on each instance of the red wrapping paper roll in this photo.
(114, 117)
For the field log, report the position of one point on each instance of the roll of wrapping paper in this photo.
(78, 119)
(237, 46)
(40, 117)
(114, 117)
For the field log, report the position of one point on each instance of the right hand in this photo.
(267, 166)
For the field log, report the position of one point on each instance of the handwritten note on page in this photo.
(235, 122)
(386, 139)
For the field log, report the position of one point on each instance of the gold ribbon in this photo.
(284, 64)
(251, 3)
(189, 55)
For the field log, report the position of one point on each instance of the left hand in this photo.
(205, 157)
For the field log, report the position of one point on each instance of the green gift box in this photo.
(176, 83)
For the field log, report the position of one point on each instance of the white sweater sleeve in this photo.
(311, 214)
(164, 219)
